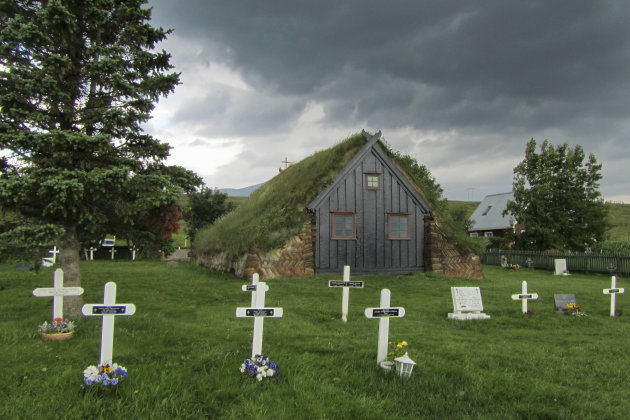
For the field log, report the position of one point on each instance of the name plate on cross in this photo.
(259, 312)
(384, 313)
(341, 283)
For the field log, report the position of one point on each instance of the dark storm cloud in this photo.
(504, 71)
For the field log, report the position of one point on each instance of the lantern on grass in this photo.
(404, 366)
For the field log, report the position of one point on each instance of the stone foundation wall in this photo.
(443, 257)
(296, 259)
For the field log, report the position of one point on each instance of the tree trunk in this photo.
(69, 260)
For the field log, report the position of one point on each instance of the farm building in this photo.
(488, 219)
(348, 205)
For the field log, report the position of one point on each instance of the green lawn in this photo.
(183, 348)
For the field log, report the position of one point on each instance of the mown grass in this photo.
(184, 345)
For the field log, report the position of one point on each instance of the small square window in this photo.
(344, 226)
(373, 181)
(488, 234)
(398, 226)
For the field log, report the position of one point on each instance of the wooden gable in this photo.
(371, 217)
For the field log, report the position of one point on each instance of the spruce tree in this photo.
(77, 80)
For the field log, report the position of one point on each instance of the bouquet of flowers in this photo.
(261, 367)
(397, 349)
(575, 309)
(57, 326)
(104, 375)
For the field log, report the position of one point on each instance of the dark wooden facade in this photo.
(388, 233)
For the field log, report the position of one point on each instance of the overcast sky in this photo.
(459, 85)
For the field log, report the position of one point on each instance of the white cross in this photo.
(346, 284)
(259, 313)
(133, 253)
(108, 310)
(112, 252)
(383, 314)
(613, 291)
(58, 292)
(50, 261)
(524, 296)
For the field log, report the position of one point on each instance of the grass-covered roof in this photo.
(277, 211)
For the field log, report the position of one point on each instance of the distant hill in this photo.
(241, 192)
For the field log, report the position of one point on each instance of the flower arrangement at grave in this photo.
(398, 349)
(574, 309)
(105, 376)
(261, 367)
(58, 326)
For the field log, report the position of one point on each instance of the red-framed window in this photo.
(344, 225)
(373, 181)
(398, 226)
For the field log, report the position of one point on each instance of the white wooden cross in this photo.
(112, 252)
(133, 253)
(259, 313)
(524, 296)
(346, 284)
(58, 292)
(613, 292)
(108, 310)
(383, 313)
(50, 261)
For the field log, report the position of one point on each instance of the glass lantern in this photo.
(404, 366)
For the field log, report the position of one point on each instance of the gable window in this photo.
(344, 225)
(398, 226)
(373, 181)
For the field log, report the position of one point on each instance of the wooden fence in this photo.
(576, 262)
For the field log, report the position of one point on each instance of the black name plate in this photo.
(258, 312)
(106, 310)
(613, 291)
(251, 288)
(341, 283)
(525, 296)
(385, 312)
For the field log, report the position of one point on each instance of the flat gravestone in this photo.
(562, 300)
(467, 304)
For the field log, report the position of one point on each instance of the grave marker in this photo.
(524, 296)
(50, 261)
(561, 267)
(467, 304)
(346, 284)
(108, 310)
(562, 300)
(259, 313)
(383, 314)
(613, 292)
(112, 251)
(58, 292)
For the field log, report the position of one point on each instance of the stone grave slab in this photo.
(562, 300)
(467, 304)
